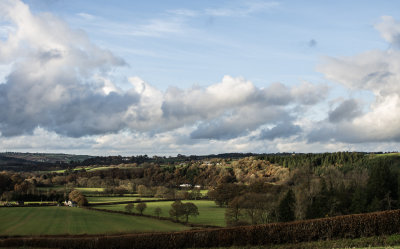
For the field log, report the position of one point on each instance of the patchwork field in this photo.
(209, 212)
(65, 220)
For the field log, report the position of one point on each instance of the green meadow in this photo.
(104, 199)
(86, 191)
(66, 220)
(387, 154)
(209, 212)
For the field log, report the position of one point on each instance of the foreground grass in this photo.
(209, 212)
(65, 220)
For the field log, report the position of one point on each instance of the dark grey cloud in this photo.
(76, 110)
(275, 94)
(347, 133)
(309, 94)
(347, 110)
(378, 76)
(219, 130)
(48, 55)
(281, 130)
(312, 43)
(389, 29)
(239, 122)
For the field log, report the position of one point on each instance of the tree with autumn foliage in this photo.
(78, 197)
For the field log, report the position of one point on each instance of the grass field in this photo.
(65, 220)
(203, 192)
(89, 168)
(387, 154)
(209, 212)
(90, 190)
(99, 199)
(94, 168)
(86, 191)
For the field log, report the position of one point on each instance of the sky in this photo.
(199, 77)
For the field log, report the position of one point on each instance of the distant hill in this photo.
(46, 157)
(4, 160)
(17, 161)
(17, 164)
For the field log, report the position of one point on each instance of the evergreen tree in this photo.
(382, 184)
(359, 201)
(375, 205)
(321, 204)
(286, 207)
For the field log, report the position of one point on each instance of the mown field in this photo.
(209, 212)
(65, 220)
(105, 199)
(86, 191)
(388, 154)
(203, 192)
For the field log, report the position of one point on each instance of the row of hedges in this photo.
(349, 226)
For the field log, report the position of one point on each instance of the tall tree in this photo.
(359, 201)
(190, 209)
(141, 207)
(157, 211)
(177, 210)
(78, 197)
(382, 184)
(233, 212)
(129, 207)
(286, 207)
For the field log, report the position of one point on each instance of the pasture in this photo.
(66, 220)
(104, 199)
(86, 191)
(394, 154)
(209, 212)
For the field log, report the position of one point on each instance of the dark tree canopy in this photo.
(286, 207)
